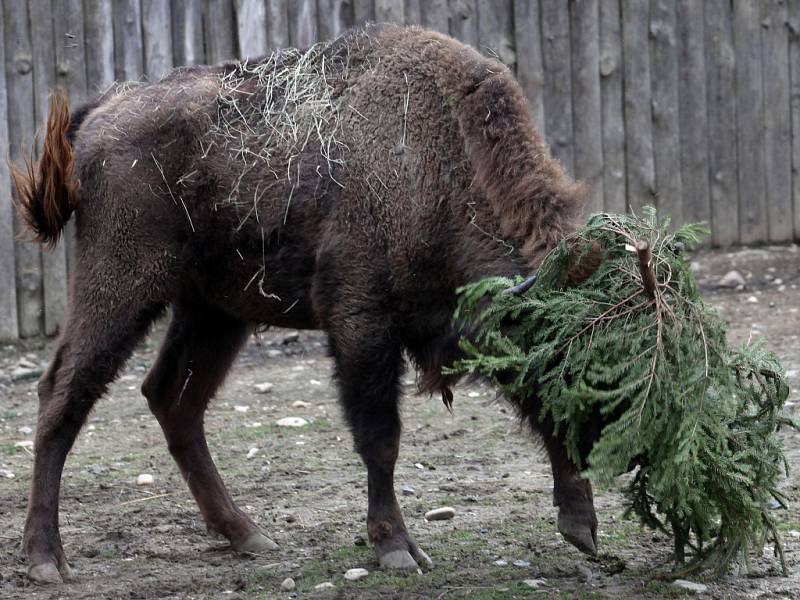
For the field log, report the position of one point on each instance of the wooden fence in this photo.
(691, 105)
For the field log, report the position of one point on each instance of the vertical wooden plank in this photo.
(157, 37)
(721, 111)
(435, 14)
(530, 71)
(278, 23)
(777, 119)
(750, 130)
(128, 52)
(640, 176)
(664, 90)
(794, 65)
(390, 11)
(334, 17)
(99, 44)
(692, 112)
(71, 74)
(220, 27)
(464, 20)
(496, 30)
(9, 328)
(363, 11)
(187, 32)
(586, 102)
(54, 262)
(413, 11)
(302, 23)
(19, 79)
(614, 195)
(251, 23)
(556, 56)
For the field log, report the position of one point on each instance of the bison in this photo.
(351, 187)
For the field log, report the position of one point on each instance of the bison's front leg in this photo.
(368, 365)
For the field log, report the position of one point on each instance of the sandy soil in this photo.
(307, 488)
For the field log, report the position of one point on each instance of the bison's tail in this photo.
(47, 192)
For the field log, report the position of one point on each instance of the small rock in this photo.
(252, 452)
(501, 563)
(777, 281)
(274, 353)
(355, 574)
(6, 474)
(145, 479)
(291, 337)
(585, 573)
(263, 388)
(23, 373)
(782, 288)
(291, 422)
(444, 513)
(300, 404)
(731, 279)
(314, 382)
(751, 300)
(287, 584)
(419, 466)
(324, 586)
(26, 364)
(25, 430)
(241, 408)
(98, 469)
(359, 540)
(474, 394)
(24, 444)
(535, 583)
(523, 564)
(794, 533)
(408, 490)
(690, 586)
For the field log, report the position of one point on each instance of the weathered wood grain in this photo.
(528, 43)
(363, 11)
(777, 119)
(9, 329)
(614, 199)
(19, 82)
(278, 23)
(220, 26)
(251, 24)
(157, 37)
(435, 14)
(187, 32)
(464, 21)
(334, 17)
(390, 11)
(496, 30)
(794, 77)
(664, 89)
(750, 122)
(556, 54)
(99, 44)
(721, 112)
(640, 174)
(692, 102)
(587, 123)
(128, 51)
(302, 23)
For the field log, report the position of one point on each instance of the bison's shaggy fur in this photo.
(352, 187)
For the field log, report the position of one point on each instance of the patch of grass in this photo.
(10, 450)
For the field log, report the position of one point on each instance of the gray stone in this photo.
(521, 563)
(731, 279)
(408, 490)
(444, 513)
(355, 574)
(535, 583)
(324, 586)
(690, 586)
(291, 337)
(291, 422)
(263, 388)
(287, 584)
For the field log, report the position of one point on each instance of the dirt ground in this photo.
(307, 488)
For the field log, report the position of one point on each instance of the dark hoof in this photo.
(580, 531)
(47, 573)
(399, 560)
(256, 544)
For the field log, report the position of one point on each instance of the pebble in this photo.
(145, 479)
(752, 300)
(324, 586)
(794, 533)
(300, 404)
(359, 540)
(263, 388)
(314, 382)
(274, 353)
(731, 279)
(98, 469)
(6, 474)
(291, 422)
(408, 490)
(24, 444)
(523, 564)
(252, 452)
(25, 430)
(241, 408)
(501, 563)
(535, 583)
(22, 373)
(291, 337)
(355, 574)
(690, 586)
(444, 513)
(474, 394)
(26, 364)
(287, 584)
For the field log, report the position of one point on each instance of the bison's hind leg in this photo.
(196, 354)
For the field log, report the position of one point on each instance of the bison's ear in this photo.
(585, 263)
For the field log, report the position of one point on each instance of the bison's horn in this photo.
(523, 287)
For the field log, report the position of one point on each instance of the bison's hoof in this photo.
(403, 560)
(47, 573)
(579, 532)
(256, 543)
